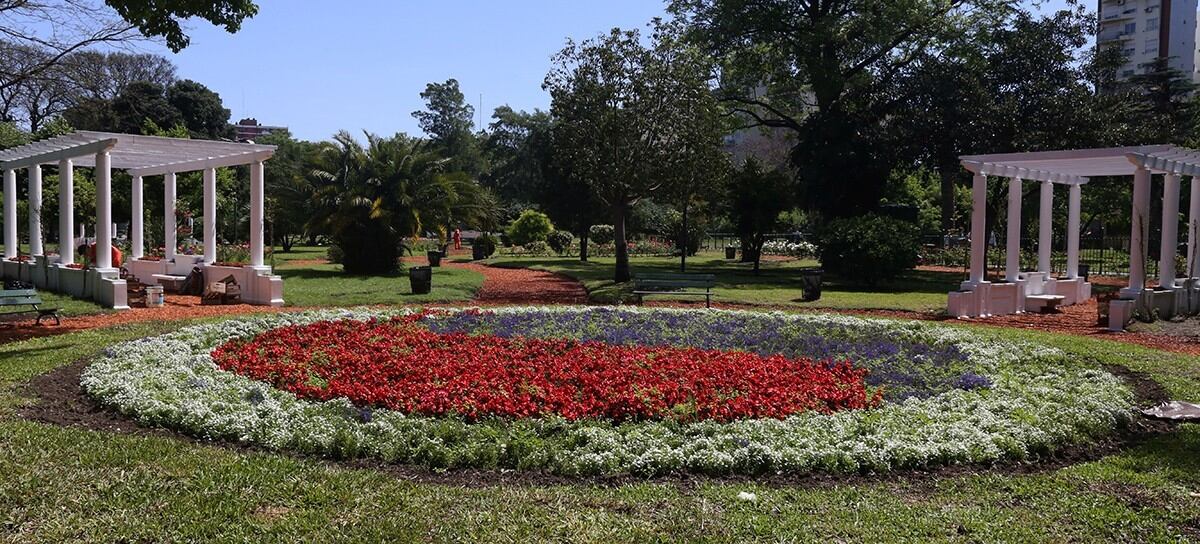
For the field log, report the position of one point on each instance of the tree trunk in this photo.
(758, 244)
(621, 274)
(948, 175)
(583, 243)
(684, 240)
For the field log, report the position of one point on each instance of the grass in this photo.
(777, 284)
(66, 484)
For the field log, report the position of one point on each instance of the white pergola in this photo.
(1073, 169)
(141, 157)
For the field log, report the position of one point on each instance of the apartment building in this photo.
(1149, 29)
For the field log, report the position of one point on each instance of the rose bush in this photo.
(1013, 401)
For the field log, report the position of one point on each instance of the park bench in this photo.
(675, 285)
(27, 297)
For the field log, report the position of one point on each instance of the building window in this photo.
(1130, 28)
(1151, 46)
(1151, 24)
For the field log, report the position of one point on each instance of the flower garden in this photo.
(610, 391)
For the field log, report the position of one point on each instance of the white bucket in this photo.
(154, 296)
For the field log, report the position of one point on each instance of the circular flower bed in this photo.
(401, 365)
(608, 391)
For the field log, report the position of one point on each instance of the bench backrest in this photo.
(15, 297)
(675, 280)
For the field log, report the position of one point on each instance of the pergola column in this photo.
(1139, 231)
(169, 226)
(1012, 256)
(256, 213)
(66, 212)
(1170, 231)
(10, 214)
(1074, 197)
(1193, 234)
(1045, 226)
(35, 210)
(137, 247)
(210, 215)
(978, 229)
(103, 211)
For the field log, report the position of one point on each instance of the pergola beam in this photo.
(53, 154)
(240, 159)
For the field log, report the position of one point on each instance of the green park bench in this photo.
(675, 285)
(27, 297)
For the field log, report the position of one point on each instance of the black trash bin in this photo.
(731, 253)
(421, 278)
(810, 282)
(1083, 271)
(478, 252)
(435, 258)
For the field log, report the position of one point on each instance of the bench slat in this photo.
(19, 301)
(705, 277)
(680, 284)
(18, 292)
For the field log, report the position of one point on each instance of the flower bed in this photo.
(981, 401)
(403, 366)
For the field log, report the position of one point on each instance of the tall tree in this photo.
(141, 102)
(756, 197)
(824, 70)
(623, 109)
(449, 121)
(200, 108)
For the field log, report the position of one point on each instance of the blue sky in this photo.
(318, 67)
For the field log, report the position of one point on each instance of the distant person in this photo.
(116, 256)
(457, 239)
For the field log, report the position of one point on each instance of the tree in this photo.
(370, 199)
(105, 75)
(449, 120)
(756, 198)
(825, 70)
(138, 103)
(288, 190)
(200, 108)
(619, 105)
(63, 27)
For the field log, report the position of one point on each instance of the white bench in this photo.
(1042, 303)
(170, 282)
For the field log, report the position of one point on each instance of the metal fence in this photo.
(1104, 254)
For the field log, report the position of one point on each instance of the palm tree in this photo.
(370, 199)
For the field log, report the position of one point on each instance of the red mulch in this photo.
(524, 286)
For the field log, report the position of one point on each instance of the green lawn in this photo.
(326, 285)
(66, 484)
(777, 284)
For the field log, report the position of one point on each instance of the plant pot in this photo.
(810, 282)
(478, 252)
(435, 258)
(421, 279)
(731, 253)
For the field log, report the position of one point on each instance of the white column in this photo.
(978, 229)
(66, 212)
(1012, 260)
(1045, 226)
(35, 210)
(10, 214)
(210, 215)
(1170, 232)
(1074, 196)
(1193, 233)
(103, 211)
(137, 214)
(169, 242)
(256, 213)
(1138, 232)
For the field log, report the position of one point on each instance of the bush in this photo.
(869, 249)
(531, 226)
(488, 243)
(601, 234)
(560, 241)
(537, 249)
(334, 254)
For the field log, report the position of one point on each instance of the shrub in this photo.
(334, 254)
(537, 248)
(560, 241)
(488, 242)
(531, 226)
(601, 234)
(869, 249)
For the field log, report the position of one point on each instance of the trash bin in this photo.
(478, 252)
(154, 296)
(435, 258)
(810, 282)
(731, 253)
(1083, 271)
(421, 279)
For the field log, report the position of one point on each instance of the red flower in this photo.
(400, 365)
